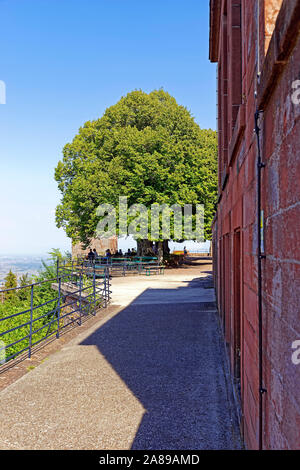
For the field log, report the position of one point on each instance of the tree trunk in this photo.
(145, 248)
(166, 247)
(160, 252)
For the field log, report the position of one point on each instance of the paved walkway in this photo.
(150, 375)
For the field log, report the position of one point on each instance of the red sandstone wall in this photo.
(237, 219)
(281, 273)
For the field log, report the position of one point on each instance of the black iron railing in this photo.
(75, 293)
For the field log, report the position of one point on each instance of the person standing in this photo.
(90, 256)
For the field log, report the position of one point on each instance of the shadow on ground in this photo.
(171, 357)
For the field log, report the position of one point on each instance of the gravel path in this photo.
(148, 376)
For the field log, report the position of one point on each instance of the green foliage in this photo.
(24, 280)
(55, 254)
(10, 280)
(50, 269)
(145, 147)
(10, 283)
(42, 293)
(20, 300)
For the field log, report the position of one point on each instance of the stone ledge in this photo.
(238, 132)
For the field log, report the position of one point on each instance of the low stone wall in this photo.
(100, 245)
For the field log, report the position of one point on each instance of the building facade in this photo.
(256, 231)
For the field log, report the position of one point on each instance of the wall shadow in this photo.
(170, 357)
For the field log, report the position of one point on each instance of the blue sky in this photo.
(64, 62)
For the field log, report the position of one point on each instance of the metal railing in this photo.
(75, 293)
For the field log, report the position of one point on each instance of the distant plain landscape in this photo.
(20, 264)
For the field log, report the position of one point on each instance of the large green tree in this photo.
(10, 283)
(146, 147)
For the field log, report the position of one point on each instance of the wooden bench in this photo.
(157, 269)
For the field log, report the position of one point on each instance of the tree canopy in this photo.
(145, 147)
